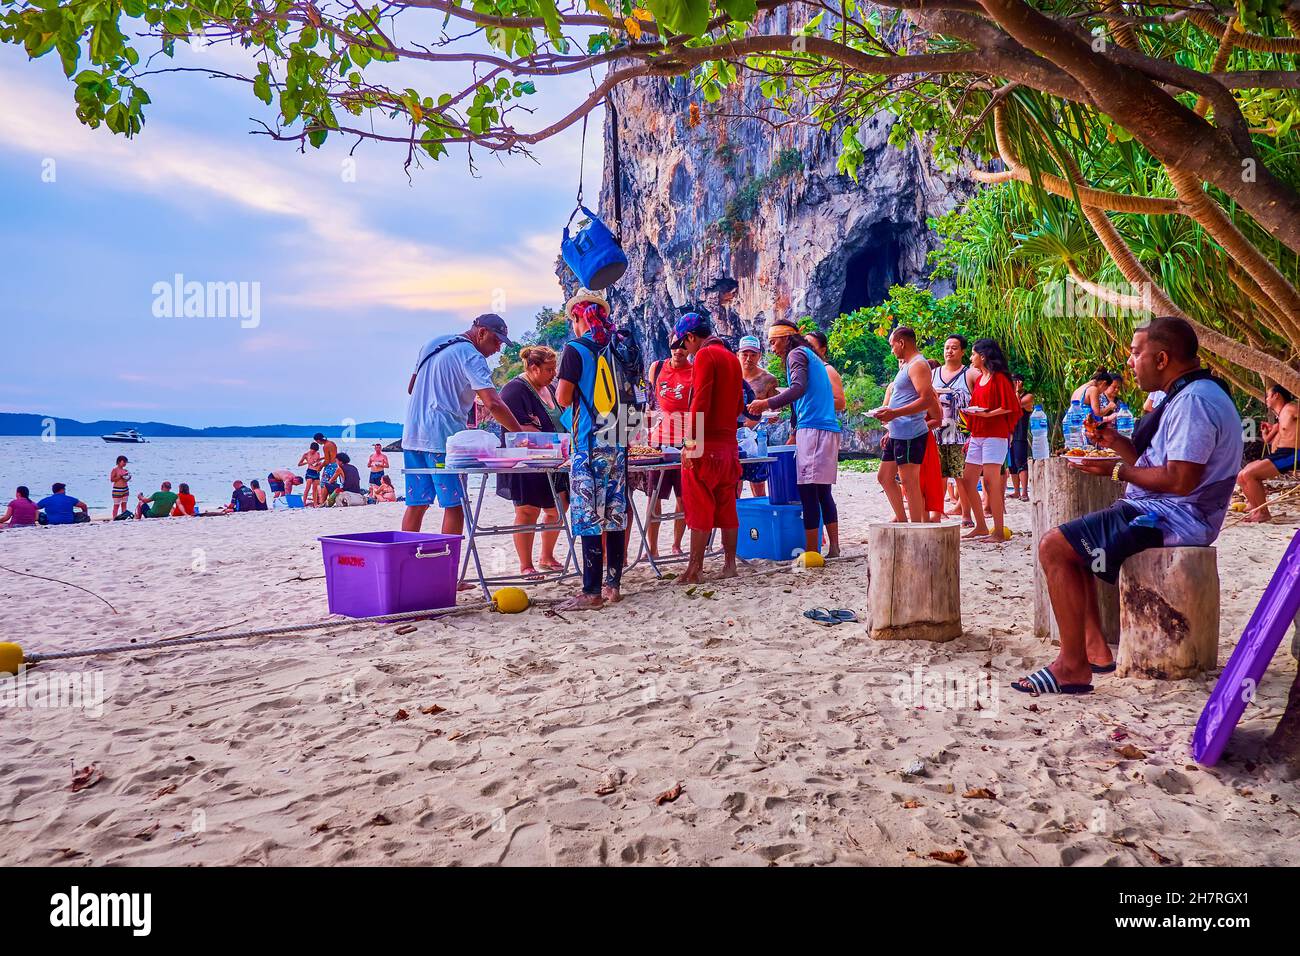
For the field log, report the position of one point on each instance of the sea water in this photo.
(208, 465)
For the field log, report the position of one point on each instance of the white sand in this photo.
(787, 738)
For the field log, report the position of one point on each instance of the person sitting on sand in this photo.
(598, 465)
(185, 505)
(21, 511)
(241, 499)
(1180, 466)
(378, 464)
(311, 459)
(1281, 439)
(259, 495)
(710, 452)
(120, 480)
(816, 431)
(349, 493)
(58, 507)
(384, 492)
(157, 505)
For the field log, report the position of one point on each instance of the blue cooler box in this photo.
(782, 484)
(770, 531)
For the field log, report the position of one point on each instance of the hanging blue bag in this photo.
(594, 253)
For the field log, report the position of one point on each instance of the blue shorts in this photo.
(424, 490)
(376, 477)
(1284, 459)
(312, 475)
(755, 473)
(1106, 539)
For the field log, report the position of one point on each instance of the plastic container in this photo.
(287, 501)
(390, 572)
(782, 478)
(1124, 421)
(537, 444)
(770, 531)
(1039, 446)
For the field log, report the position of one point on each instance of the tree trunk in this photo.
(1059, 493)
(913, 583)
(1169, 613)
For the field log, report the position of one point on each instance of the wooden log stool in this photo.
(914, 581)
(1169, 613)
(1057, 494)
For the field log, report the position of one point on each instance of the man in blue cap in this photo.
(710, 454)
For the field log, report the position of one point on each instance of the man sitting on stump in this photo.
(1180, 467)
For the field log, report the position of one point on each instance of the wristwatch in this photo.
(1114, 473)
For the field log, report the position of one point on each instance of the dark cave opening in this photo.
(871, 270)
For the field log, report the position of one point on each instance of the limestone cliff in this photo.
(754, 222)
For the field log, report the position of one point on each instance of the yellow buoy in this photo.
(510, 600)
(11, 658)
(810, 559)
(1006, 534)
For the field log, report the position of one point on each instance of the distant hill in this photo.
(15, 424)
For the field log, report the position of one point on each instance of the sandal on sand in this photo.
(1043, 681)
(843, 615)
(1103, 668)
(822, 616)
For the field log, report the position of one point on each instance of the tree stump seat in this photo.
(1169, 613)
(914, 581)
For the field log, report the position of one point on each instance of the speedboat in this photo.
(126, 435)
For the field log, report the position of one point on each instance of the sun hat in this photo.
(585, 295)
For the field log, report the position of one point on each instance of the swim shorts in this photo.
(1106, 539)
(424, 490)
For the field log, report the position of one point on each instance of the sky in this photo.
(345, 269)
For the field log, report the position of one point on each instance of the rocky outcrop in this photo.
(753, 221)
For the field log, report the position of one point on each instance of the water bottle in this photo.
(762, 439)
(1039, 447)
(1124, 421)
(1072, 425)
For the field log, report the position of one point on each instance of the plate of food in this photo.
(1079, 455)
(501, 462)
(644, 455)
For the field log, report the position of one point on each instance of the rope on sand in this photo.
(57, 581)
(261, 632)
(169, 643)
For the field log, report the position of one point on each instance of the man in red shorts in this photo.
(710, 456)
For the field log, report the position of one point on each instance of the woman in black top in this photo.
(531, 398)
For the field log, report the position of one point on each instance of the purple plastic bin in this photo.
(390, 572)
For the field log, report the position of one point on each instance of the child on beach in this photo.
(120, 479)
(311, 489)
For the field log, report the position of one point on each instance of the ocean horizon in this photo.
(207, 465)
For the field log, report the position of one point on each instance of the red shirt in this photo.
(673, 399)
(998, 392)
(718, 396)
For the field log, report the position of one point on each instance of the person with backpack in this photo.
(451, 373)
(670, 398)
(594, 381)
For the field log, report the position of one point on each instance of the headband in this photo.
(781, 331)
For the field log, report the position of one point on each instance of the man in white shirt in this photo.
(1180, 468)
(451, 373)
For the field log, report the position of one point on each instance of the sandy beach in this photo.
(792, 743)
